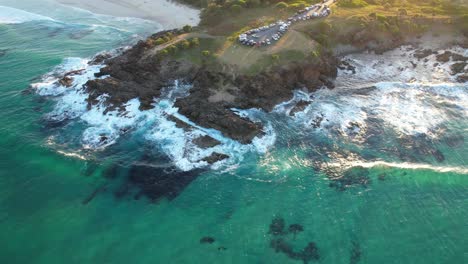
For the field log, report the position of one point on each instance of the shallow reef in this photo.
(279, 241)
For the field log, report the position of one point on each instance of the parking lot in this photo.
(267, 35)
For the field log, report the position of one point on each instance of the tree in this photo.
(187, 28)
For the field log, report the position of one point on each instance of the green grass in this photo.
(194, 54)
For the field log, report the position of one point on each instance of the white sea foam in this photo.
(104, 128)
(397, 65)
(411, 100)
(9, 15)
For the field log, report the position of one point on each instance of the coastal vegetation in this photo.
(384, 23)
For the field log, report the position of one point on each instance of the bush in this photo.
(184, 44)
(206, 53)
(187, 28)
(172, 49)
(281, 5)
(159, 41)
(275, 57)
(195, 42)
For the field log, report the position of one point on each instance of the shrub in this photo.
(184, 44)
(275, 57)
(187, 28)
(206, 53)
(172, 49)
(195, 42)
(159, 41)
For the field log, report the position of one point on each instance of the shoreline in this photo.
(168, 14)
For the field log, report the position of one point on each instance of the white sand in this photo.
(168, 14)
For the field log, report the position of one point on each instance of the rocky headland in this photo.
(216, 89)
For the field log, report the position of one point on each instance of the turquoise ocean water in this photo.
(412, 208)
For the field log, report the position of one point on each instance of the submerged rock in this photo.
(353, 176)
(277, 226)
(310, 253)
(207, 240)
(160, 182)
(455, 141)
(295, 228)
(355, 254)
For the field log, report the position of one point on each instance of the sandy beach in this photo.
(168, 14)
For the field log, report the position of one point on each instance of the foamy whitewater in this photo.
(386, 91)
(105, 128)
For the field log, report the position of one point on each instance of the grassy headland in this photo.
(374, 24)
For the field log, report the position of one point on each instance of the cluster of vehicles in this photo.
(260, 36)
(250, 38)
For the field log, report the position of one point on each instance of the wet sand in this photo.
(168, 14)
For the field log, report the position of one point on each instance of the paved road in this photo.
(267, 34)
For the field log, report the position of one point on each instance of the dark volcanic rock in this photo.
(299, 107)
(138, 73)
(206, 142)
(421, 54)
(100, 58)
(344, 65)
(445, 57)
(215, 157)
(462, 78)
(180, 123)
(458, 67)
(67, 79)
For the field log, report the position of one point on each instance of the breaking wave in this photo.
(104, 128)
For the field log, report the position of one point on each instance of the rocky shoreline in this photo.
(215, 91)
